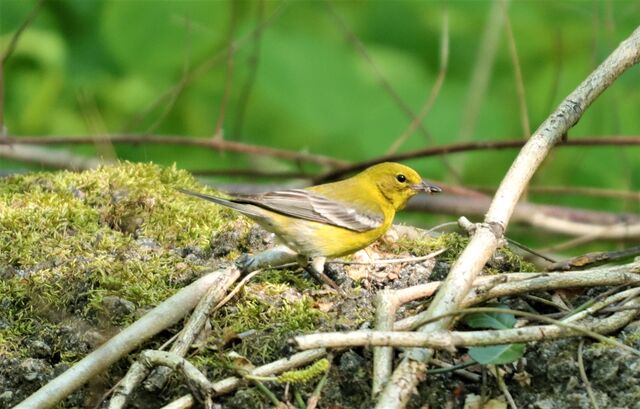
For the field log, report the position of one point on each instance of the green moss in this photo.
(270, 316)
(67, 240)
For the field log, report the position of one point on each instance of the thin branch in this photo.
(13, 42)
(564, 220)
(252, 173)
(482, 69)
(518, 283)
(503, 386)
(585, 379)
(218, 132)
(193, 327)
(136, 139)
(254, 59)
(442, 74)
(52, 158)
(474, 146)
(489, 234)
(517, 73)
(577, 191)
(230, 384)
(449, 340)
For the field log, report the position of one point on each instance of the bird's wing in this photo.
(312, 206)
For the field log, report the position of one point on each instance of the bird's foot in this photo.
(316, 270)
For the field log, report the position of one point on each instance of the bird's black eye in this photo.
(401, 178)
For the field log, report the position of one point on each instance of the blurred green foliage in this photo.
(90, 66)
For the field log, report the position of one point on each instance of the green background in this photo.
(86, 67)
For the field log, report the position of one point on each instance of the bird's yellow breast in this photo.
(314, 239)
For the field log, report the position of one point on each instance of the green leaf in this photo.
(497, 354)
(490, 320)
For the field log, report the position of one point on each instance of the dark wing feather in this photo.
(311, 206)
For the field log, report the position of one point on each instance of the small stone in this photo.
(118, 307)
(6, 396)
(40, 349)
(34, 369)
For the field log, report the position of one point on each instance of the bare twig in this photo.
(489, 234)
(592, 259)
(449, 340)
(252, 173)
(386, 306)
(519, 283)
(410, 260)
(194, 326)
(218, 132)
(503, 386)
(282, 365)
(207, 143)
(578, 191)
(565, 220)
(585, 379)
(483, 66)
(164, 315)
(247, 88)
(52, 158)
(13, 42)
(517, 73)
(442, 74)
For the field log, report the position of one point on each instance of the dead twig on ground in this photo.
(163, 316)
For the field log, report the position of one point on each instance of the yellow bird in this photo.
(333, 219)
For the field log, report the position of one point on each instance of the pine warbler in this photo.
(333, 219)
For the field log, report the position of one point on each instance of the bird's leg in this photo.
(316, 269)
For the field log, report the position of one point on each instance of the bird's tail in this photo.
(247, 209)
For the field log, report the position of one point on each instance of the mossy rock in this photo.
(82, 255)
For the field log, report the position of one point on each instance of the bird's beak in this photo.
(426, 187)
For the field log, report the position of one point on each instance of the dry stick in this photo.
(489, 234)
(207, 143)
(252, 173)
(442, 74)
(585, 379)
(164, 315)
(386, 307)
(594, 258)
(457, 369)
(449, 340)
(52, 158)
(551, 218)
(410, 260)
(282, 365)
(503, 386)
(578, 191)
(344, 167)
(519, 283)
(197, 321)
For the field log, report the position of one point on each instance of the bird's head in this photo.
(398, 183)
